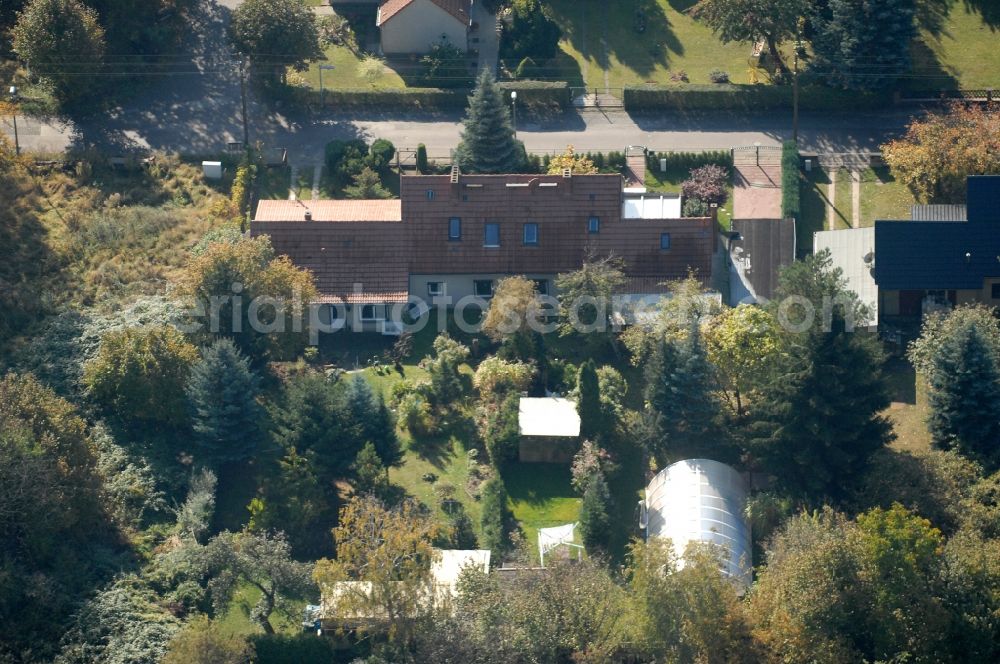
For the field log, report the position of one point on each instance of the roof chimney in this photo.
(309, 215)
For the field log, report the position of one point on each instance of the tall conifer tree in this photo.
(222, 391)
(965, 396)
(488, 144)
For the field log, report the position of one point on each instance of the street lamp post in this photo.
(322, 92)
(12, 93)
(513, 107)
(756, 147)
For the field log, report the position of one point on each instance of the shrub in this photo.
(707, 183)
(501, 434)
(719, 76)
(382, 152)
(695, 207)
(445, 67)
(422, 159)
(790, 194)
(337, 150)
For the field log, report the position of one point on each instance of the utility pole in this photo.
(13, 113)
(243, 99)
(513, 110)
(795, 89)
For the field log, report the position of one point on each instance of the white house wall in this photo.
(420, 25)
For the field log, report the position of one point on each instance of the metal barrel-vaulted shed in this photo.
(700, 500)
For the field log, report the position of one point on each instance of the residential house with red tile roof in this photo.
(456, 235)
(413, 26)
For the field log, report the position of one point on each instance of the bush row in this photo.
(689, 160)
(748, 97)
(547, 93)
(529, 93)
(790, 194)
(397, 98)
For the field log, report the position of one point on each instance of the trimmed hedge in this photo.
(550, 93)
(687, 161)
(392, 98)
(291, 648)
(748, 97)
(790, 185)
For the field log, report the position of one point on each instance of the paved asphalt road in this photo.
(194, 108)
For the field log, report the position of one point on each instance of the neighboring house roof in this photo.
(764, 248)
(853, 251)
(550, 417)
(328, 210)
(460, 9)
(931, 255)
(938, 213)
(446, 568)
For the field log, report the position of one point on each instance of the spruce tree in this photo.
(965, 396)
(863, 44)
(819, 418)
(370, 475)
(496, 518)
(488, 144)
(679, 396)
(595, 521)
(372, 421)
(589, 403)
(225, 416)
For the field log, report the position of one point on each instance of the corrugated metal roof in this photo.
(853, 251)
(764, 248)
(937, 213)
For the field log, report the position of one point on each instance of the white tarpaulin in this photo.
(550, 538)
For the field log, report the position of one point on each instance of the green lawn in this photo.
(882, 197)
(236, 620)
(447, 460)
(273, 183)
(909, 409)
(671, 42)
(346, 74)
(815, 188)
(843, 213)
(669, 182)
(963, 52)
(541, 497)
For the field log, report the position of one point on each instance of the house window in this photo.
(664, 240)
(454, 229)
(484, 287)
(491, 235)
(371, 312)
(995, 291)
(594, 225)
(435, 288)
(542, 286)
(531, 234)
(430, 194)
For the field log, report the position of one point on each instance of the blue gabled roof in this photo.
(943, 255)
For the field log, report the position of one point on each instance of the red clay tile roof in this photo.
(361, 261)
(457, 8)
(379, 254)
(327, 210)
